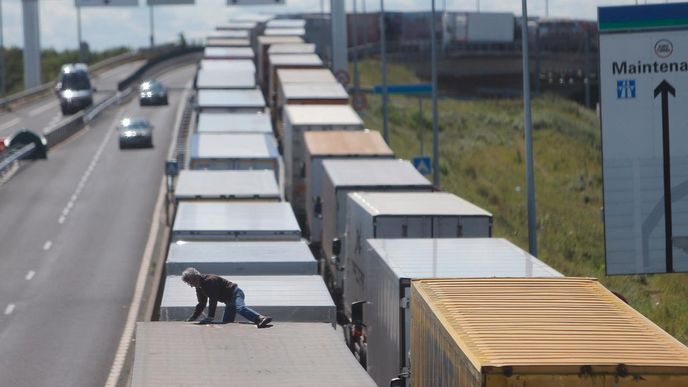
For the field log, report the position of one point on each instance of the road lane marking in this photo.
(42, 109)
(30, 275)
(84, 178)
(47, 245)
(9, 309)
(9, 124)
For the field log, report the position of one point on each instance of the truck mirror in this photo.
(336, 246)
(302, 170)
(357, 312)
(317, 207)
(397, 382)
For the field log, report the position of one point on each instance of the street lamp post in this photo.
(383, 69)
(527, 125)
(435, 127)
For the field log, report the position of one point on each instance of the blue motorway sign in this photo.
(413, 88)
(423, 164)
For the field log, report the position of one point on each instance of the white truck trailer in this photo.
(345, 176)
(238, 355)
(321, 146)
(293, 48)
(287, 61)
(299, 119)
(227, 186)
(234, 221)
(234, 123)
(242, 258)
(237, 101)
(385, 283)
(225, 79)
(240, 151)
(263, 44)
(285, 298)
(410, 215)
(228, 53)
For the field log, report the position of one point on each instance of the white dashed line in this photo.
(47, 245)
(30, 275)
(84, 178)
(9, 309)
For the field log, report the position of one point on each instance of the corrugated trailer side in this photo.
(564, 332)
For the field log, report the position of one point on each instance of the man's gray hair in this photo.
(190, 273)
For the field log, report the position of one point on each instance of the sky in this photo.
(105, 27)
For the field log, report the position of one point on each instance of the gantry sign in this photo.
(644, 102)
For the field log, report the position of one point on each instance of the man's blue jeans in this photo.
(239, 307)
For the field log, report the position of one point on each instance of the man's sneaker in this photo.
(263, 321)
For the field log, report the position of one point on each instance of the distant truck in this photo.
(73, 88)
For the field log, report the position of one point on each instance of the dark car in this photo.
(74, 88)
(152, 92)
(135, 132)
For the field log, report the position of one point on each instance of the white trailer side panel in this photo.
(242, 258)
(290, 354)
(392, 263)
(292, 298)
(235, 221)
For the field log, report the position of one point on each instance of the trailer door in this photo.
(476, 227)
(403, 227)
(447, 227)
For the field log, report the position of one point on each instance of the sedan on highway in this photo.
(135, 132)
(152, 92)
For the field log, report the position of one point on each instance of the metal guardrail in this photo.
(11, 156)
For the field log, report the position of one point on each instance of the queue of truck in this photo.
(372, 275)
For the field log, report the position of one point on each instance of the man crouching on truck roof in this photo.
(216, 288)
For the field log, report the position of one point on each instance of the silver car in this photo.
(135, 132)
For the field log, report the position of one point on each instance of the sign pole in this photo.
(527, 126)
(435, 126)
(354, 37)
(78, 34)
(665, 88)
(152, 26)
(383, 70)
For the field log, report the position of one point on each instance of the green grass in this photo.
(482, 160)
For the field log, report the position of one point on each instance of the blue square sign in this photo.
(625, 89)
(423, 164)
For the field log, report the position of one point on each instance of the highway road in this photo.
(74, 230)
(44, 113)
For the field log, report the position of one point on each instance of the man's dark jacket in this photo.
(216, 289)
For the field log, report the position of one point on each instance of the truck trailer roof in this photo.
(235, 220)
(416, 203)
(242, 258)
(226, 185)
(291, 354)
(345, 143)
(234, 123)
(319, 115)
(378, 172)
(231, 99)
